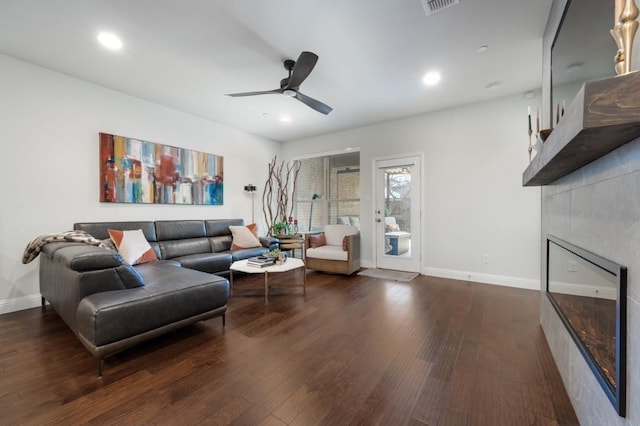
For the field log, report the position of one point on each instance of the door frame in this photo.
(417, 262)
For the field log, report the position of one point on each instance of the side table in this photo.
(292, 242)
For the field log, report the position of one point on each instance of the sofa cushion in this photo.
(206, 262)
(335, 233)
(221, 243)
(132, 246)
(171, 294)
(244, 237)
(179, 229)
(220, 227)
(176, 248)
(100, 230)
(328, 253)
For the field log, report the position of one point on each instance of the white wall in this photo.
(49, 174)
(474, 203)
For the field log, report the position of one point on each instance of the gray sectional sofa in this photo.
(111, 305)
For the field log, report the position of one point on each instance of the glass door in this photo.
(397, 214)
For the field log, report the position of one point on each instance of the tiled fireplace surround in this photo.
(597, 208)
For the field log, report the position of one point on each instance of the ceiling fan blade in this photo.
(301, 70)
(315, 104)
(264, 92)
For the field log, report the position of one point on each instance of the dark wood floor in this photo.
(355, 350)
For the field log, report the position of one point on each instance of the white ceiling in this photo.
(186, 54)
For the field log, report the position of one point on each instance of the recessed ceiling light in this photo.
(110, 41)
(431, 78)
(493, 86)
(483, 49)
(285, 119)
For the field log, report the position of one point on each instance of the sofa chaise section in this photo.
(172, 297)
(111, 305)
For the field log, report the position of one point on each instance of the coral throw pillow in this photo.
(317, 240)
(132, 246)
(244, 236)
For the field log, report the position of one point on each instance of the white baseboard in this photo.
(367, 264)
(483, 278)
(20, 303)
(583, 290)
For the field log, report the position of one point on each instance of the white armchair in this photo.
(340, 254)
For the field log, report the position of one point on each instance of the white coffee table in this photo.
(289, 265)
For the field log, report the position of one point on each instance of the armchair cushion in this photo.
(327, 253)
(336, 233)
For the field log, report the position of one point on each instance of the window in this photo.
(328, 191)
(397, 196)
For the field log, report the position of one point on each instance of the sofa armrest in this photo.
(270, 242)
(91, 261)
(71, 271)
(82, 257)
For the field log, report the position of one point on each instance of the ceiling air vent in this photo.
(433, 6)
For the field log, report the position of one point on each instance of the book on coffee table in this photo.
(261, 261)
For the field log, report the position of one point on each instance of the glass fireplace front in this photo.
(589, 294)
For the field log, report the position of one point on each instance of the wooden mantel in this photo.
(604, 115)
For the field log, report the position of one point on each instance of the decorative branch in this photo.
(267, 195)
(276, 192)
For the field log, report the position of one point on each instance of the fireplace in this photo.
(589, 294)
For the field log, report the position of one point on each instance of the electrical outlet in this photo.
(486, 259)
(572, 266)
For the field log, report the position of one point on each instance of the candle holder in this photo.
(623, 33)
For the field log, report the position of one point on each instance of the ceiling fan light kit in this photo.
(298, 72)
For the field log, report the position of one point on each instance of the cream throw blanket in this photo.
(35, 247)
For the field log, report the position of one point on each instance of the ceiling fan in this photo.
(298, 71)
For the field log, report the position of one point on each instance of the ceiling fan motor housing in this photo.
(289, 64)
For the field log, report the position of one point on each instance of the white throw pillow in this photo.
(132, 246)
(243, 237)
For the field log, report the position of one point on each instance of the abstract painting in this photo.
(137, 171)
